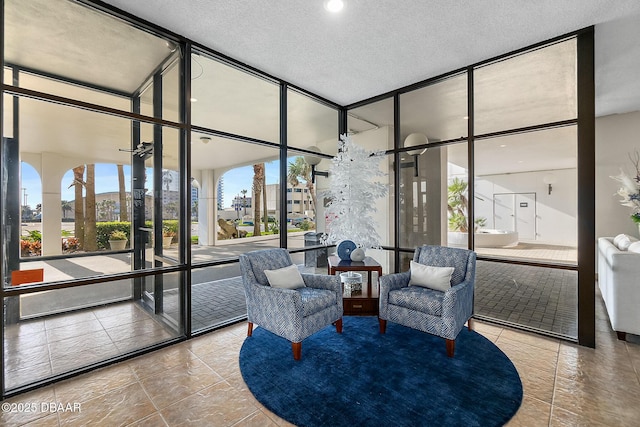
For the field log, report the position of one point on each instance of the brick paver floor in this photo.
(536, 297)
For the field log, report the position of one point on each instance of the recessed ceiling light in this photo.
(334, 6)
(503, 145)
(194, 99)
(466, 117)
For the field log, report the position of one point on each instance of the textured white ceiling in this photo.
(346, 58)
(60, 46)
(372, 47)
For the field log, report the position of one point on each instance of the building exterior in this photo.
(220, 193)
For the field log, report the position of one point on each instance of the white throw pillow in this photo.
(287, 278)
(623, 241)
(438, 278)
(634, 247)
(617, 239)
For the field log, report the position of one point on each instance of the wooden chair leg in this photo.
(339, 325)
(451, 346)
(622, 336)
(470, 324)
(297, 350)
(383, 325)
(250, 329)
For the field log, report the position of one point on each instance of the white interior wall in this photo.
(556, 213)
(617, 135)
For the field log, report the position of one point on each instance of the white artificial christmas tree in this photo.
(352, 194)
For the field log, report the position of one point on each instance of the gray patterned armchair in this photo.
(293, 314)
(428, 310)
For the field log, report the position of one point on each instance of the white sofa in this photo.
(619, 282)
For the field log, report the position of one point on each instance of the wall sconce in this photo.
(313, 161)
(549, 179)
(416, 139)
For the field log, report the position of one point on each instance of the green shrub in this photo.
(307, 225)
(35, 236)
(170, 225)
(274, 228)
(104, 230)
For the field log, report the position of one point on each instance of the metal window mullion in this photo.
(185, 177)
(283, 167)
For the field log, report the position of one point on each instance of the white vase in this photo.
(357, 254)
(117, 245)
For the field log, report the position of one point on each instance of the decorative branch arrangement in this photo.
(630, 189)
(352, 193)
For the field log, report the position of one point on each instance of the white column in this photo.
(207, 208)
(52, 171)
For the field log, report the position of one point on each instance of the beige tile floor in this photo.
(198, 383)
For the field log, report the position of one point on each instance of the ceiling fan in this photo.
(144, 150)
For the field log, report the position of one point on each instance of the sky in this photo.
(242, 179)
(107, 180)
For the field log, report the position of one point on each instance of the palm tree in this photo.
(66, 207)
(106, 209)
(167, 179)
(194, 210)
(170, 211)
(91, 242)
(78, 184)
(457, 205)
(244, 200)
(124, 214)
(258, 179)
(300, 170)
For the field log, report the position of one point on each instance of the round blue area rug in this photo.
(362, 378)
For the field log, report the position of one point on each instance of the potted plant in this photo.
(167, 237)
(457, 208)
(117, 240)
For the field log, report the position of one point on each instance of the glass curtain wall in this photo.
(90, 150)
(526, 189)
(312, 126)
(435, 120)
(371, 127)
(236, 198)
(234, 182)
(522, 179)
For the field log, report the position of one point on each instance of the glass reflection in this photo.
(374, 120)
(311, 124)
(230, 100)
(432, 211)
(109, 322)
(437, 112)
(533, 88)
